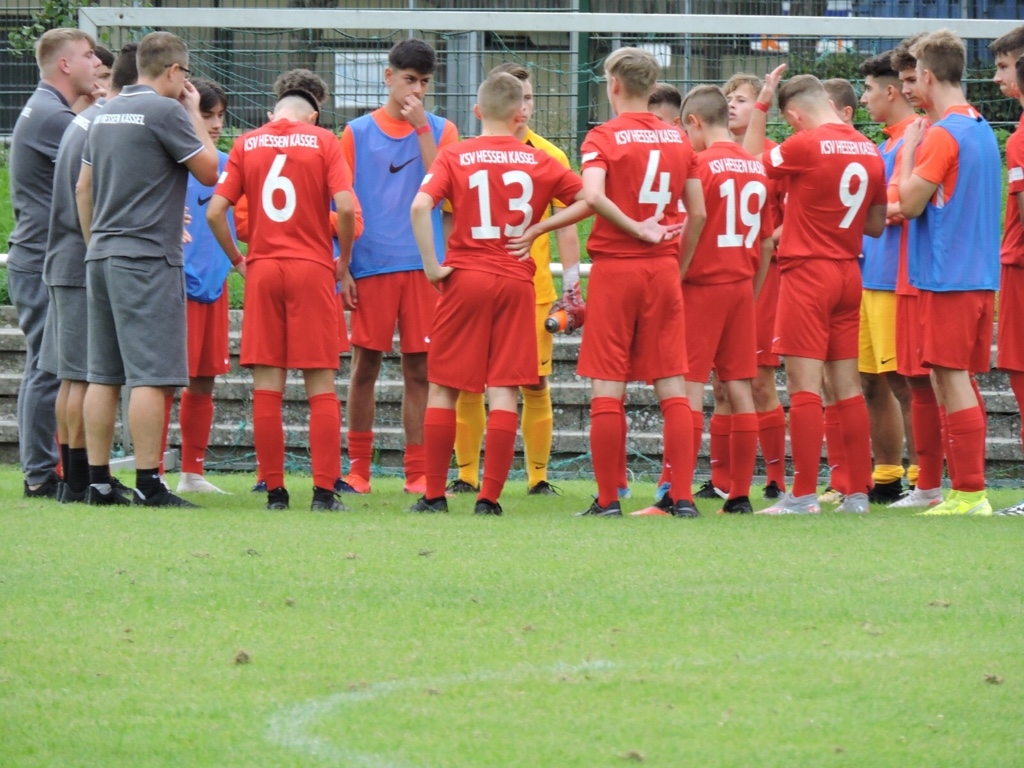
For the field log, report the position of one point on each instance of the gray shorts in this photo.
(65, 351)
(137, 319)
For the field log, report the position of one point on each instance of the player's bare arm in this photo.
(767, 247)
(423, 231)
(753, 140)
(217, 218)
(650, 230)
(696, 217)
(874, 225)
(915, 192)
(1020, 206)
(565, 218)
(83, 200)
(202, 165)
(345, 205)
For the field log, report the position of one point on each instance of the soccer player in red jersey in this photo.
(483, 334)
(949, 186)
(836, 194)
(635, 171)
(294, 169)
(1010, 358)
(722, 272)
(741, 92)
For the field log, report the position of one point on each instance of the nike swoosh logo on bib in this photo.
(205, 200)
(396, 168)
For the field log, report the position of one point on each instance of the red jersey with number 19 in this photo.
(648, 163)
(834, 175)
(498, 187)
(739, 216)
(290, 172)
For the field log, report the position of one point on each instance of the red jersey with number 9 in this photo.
(498, 187)
(739, 215)
(290, 173)
(647, 163)
(834, 176)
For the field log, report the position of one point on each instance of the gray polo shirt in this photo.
(65, 248)
(34, 145)
(137, 147)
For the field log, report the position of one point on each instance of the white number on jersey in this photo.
(750, 217)
(275, 181)
(480, 182)
(853, 201)
(661, 196)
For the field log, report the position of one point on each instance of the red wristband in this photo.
(761, 107)
(422, 129)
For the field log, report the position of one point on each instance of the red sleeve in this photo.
(449, 135)
(592, 153)
(438, 181)
(568, 186)
(339, 177)
(230, 184)
(937, 155)
(1015, 163)
(787, 158)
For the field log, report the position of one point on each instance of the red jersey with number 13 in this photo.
(647, 163)
(290, 172)
(834, 175)
(498, 187)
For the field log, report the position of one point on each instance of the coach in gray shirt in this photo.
(131, 203)
(67, 64)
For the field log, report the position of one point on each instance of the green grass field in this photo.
(232, 636)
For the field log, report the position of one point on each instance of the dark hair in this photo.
(665, 93)
(210, 94)
(879, 66)
(902, 59)
(517, 70)
(301, 80)
(412, 54)
(1011, 43)
(1020, 70)
(125, 71)
(104, 55)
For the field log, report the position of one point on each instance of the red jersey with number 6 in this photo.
(739, 215)
(290, 172)
(498, 187)
(834, 175)
(647, 163)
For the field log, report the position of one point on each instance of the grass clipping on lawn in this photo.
(233, 636)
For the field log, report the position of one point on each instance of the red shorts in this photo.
(635, 324)
(956, 329)
(208, 337)
(819, 310)
(720, 331)
(1011, 320)
(764, 312)
(484, 333)
(405, 299)
(908, 336)
(290, 318)
(343, 345)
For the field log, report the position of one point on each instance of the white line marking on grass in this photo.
(290, 727)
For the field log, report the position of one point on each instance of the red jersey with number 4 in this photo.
(834, 176)
(498, 187)
(290, 172)
(647, 163)
(739, 216)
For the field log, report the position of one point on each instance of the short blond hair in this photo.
(803, 88)
(708, 103)
(740, 79)
(158, 51)
(635, 68)
(500, 96)
(51, 44)
(943, 54)
(517, 70)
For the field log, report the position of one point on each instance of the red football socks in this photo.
(967, 445)
(928, 437)
(499, 448)
(360, 453)
(195, 416)
(607, 446)
(742, 453)
(806, 432)
(325, 439)
(772, 435)
(438, 444)
(720, 429)
(678, 442)
(415, 463)
(834, 450)
(268, 435)
(856, 437)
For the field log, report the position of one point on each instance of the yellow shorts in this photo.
(877, 332)
(545, 341)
